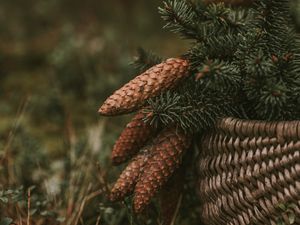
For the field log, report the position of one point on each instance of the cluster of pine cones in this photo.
(154, 153)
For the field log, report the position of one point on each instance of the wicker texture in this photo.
(248, 170)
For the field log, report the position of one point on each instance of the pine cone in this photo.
(128, 178)
(134, 136)
(169, 148)
(149, 84)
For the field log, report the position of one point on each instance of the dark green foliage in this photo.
(272, 66)
(218, 76)
(189, 109)
(215, 82)
(244, 62)
(180, 18)
(144, 60)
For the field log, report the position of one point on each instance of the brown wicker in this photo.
(249, 173)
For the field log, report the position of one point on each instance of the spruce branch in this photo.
(273, 103)
(273, 19)
(219, 76)
(270, 55)
(226, 19)
(219, 14)
(145, 60)
(222, 47)
(180, 17)
(192, 111)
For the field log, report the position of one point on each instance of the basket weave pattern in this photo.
(249, 170)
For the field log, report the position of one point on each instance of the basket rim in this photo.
(283, 130)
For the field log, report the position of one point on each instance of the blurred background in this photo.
(59, 60)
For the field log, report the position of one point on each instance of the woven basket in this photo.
(249, 173)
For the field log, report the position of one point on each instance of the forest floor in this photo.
(59, 60)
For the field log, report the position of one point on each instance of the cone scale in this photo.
(132, 139)
(128, 178)
(169, 149)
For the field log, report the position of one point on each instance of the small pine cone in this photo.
(128, 178)
(133, 138)
(168, 149)
(151, 83)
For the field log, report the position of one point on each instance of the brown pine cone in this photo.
(128, 178)
(151, 83)
(168, 149)
(133, 138)
(231, 2)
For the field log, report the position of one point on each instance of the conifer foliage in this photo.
(243, 62)
(272, 78)
(231, 2)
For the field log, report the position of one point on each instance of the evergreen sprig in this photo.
(244, 63)
(144, 60)
(180, 18)
(271, 63)
(219, 76)
(189, 109)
